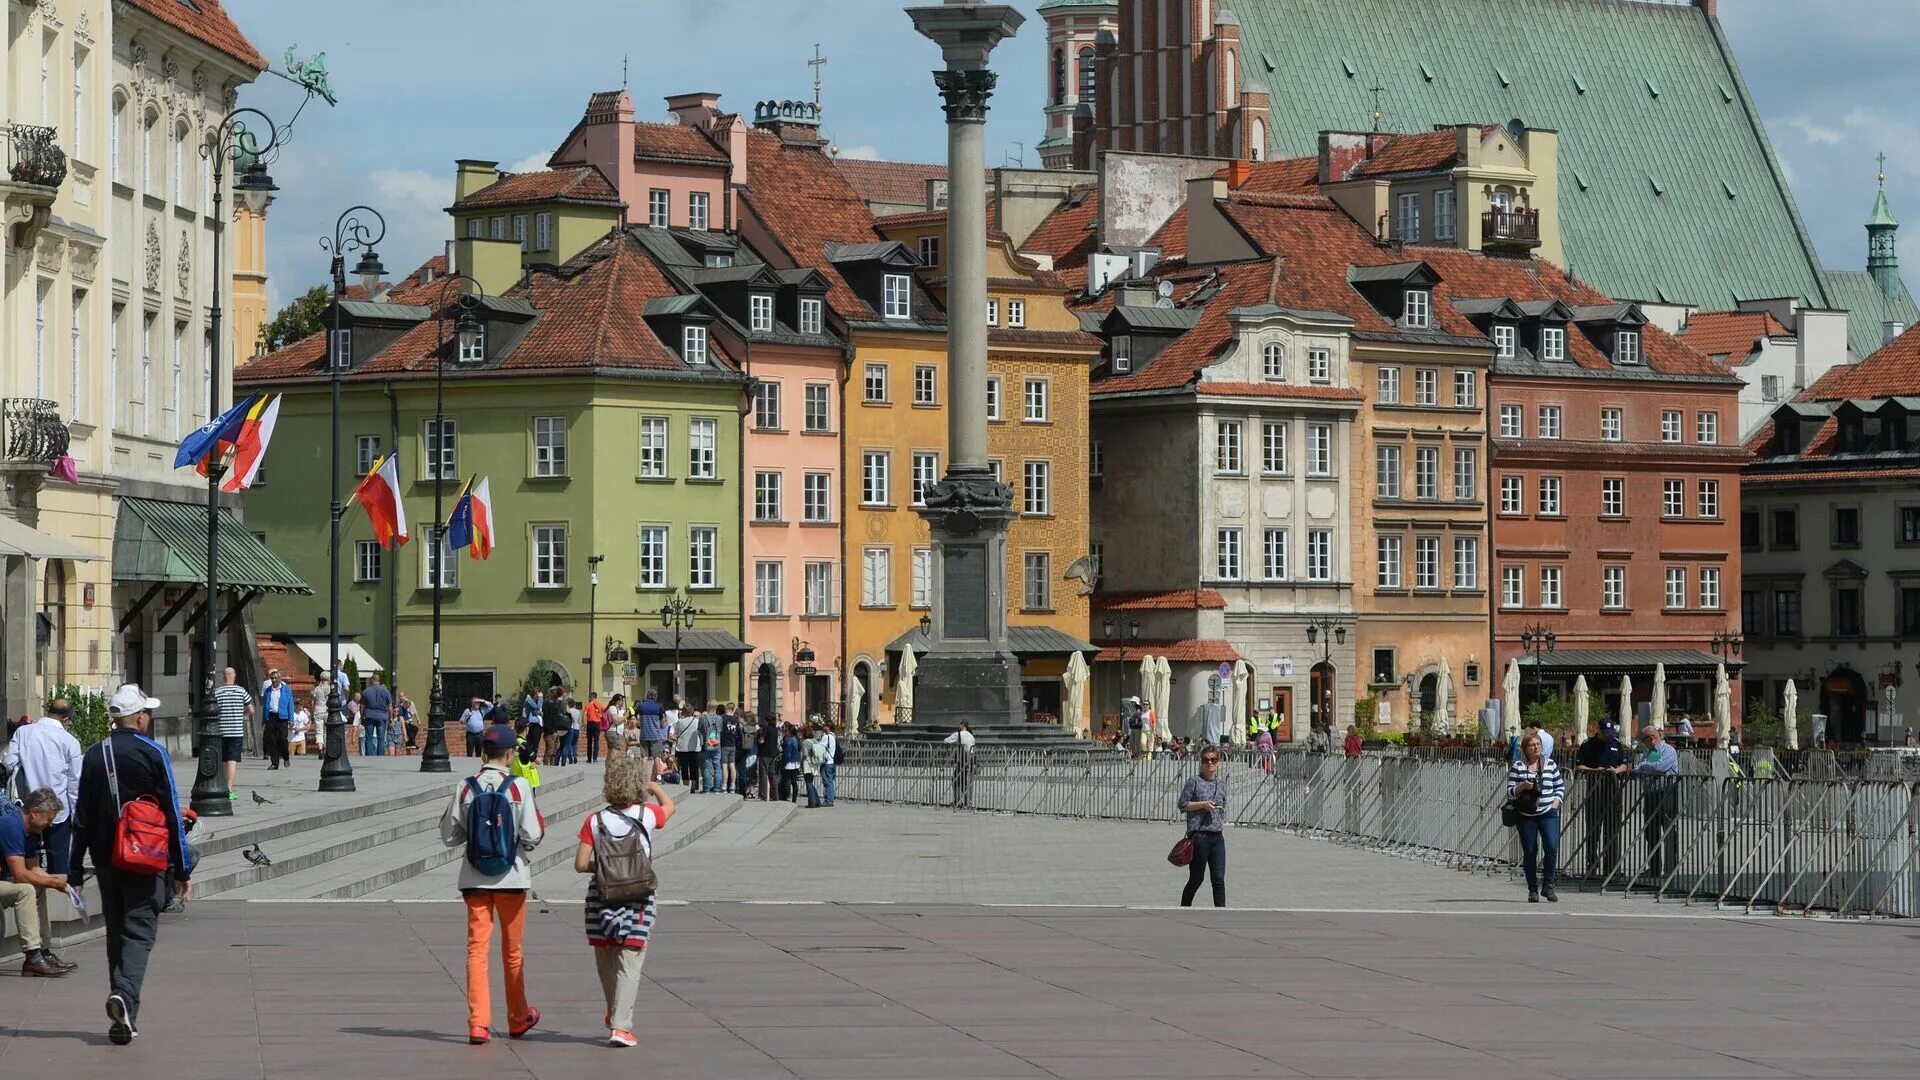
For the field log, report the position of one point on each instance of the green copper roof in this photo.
(1881, 215)
(1669, 190)
(157, 540)
(1867, 308)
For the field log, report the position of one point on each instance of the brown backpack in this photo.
(622, 865)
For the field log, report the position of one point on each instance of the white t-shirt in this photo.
(619, 823)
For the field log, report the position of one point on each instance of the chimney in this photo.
(1891, 329)
(793, 122)
(1238, 171)
(1711, 7)
(696, 110)
(471, 174)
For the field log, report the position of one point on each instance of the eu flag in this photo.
(205, 440)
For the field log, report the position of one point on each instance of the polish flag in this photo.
(379, 494)
(250, 445)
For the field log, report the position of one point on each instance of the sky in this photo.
(1825, 76)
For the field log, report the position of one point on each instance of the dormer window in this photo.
(693, 344)
(1122, 354)
(812, 311)
(718, 259)
(1320, 365)
(342, 349)
(893, 295)
(474, 351)
(1553, 343)
(1626, 346)
(1273, 362)
(1417, 313)
(760, 313)
(1505, 341)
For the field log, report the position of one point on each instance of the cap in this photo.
(130, 699)
(499, 737)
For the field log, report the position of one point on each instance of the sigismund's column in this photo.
(969, 674)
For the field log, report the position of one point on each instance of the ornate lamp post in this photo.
(1109, 630)
(433, 758)
(678, 615)
(1536, 641)
(1726, 643)
(233, 140)
(593, 591)
(1328, 630)
(351, 232)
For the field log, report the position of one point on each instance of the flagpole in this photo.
(434, 758)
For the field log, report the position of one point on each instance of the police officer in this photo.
(1604, 761)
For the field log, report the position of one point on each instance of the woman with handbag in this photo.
(1535, 790)
(620, 894)
(1204, 800)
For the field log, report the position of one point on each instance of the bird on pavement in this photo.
(255, 856)
(259, 799)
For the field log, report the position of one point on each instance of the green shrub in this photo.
(1365, 716)
(90, 721)
(542, 675)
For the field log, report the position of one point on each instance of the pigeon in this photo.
(259, 800)
(255, 856)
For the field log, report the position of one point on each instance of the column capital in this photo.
(966, 94)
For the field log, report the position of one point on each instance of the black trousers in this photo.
(473, 743)
(131, 905)
(789, 786)
(1663, 839)
(690, 768)
(1209, 857)
(1605, 822)
(593, 742)
(274, 741)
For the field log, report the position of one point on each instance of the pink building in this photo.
(677, 174)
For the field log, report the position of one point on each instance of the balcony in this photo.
(32, 434)
(36, 166)
(1510, 228)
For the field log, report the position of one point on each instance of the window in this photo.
(1426, 386)
(767, 588)
(549, 446)
(1706, 428)
(1466, 473)
(893, 293)
(1676, 587)
(1670, 426)
(476, 351)
(1386, 468)
(520, 231)
(543, 232)
(1122, 355)
(1910, 524)
(875, 384)
(1426, 562)
(922, 578)
(993, 399)
(146, 151)
(1550, 496)
(1407, 222)
(703, 557)
(697, 210)
(760, 313)
(1610, 425)
(812, 312)
(993, 311)
(1273, 362)
(1786, 614)
(179, 334)
(1673, 498)
(1017, 315)
(766, 496)
(929, 251)
(657, 207)
(1466, 562)
(1909, 611)
(993, 469)
(1613, 587)
(653, 447)
(1847, 611)
(438, 558)
(1513, 587)
(1550, 586)
(146, 374)
(1418, 311)
(1096, 460)
(766, 406)
(1273, 449)
(819, 589)
(1036, 577)
(1036, 401)
(549, 557)
(1426, 473)
(1626, 347)
(1750, 530)
(1387, 562)
(1769, 390)
(653, 557)
(179, 160)
(119, 119)
(1613, 496)
(1226, 447)
(1466, 389)
(476, 228)
(1710, 588)
(1505, 341)
(876, 577)
(366, 560)
(818, 415)
(366, 453)
(1443, 215)
(1708, 498)
(926, 382)
(1037, 489)
(693, 344)
(1226, 554)
(1510, 422)
(874, 490)
(1553, 343)
(926, 472)
(1511, 501)
(442, 445)
(1319, 554)
(1389, 384)
(497, 228)
(1549, 422)
(1319, 449)
(703, 443)
(814, 505)
(1273, 560)
(1786, 528)
(1319, 365)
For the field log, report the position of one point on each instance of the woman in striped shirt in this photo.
(1536, 787)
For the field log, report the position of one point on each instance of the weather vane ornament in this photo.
(310, 73)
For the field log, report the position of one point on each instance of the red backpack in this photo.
(140, 843)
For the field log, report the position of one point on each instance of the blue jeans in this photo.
(1209, 859)
(826, 781)
(570, 747)
(373, 737)
(56, 849)
(813, 792)
(1537, 833)
(712, 774)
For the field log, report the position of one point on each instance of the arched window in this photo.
(1258, 144)
(1087, 74)
(1059, 76)
(179, 165)
(1273, 362)
(119, 122)
(1233, 74)
(150, 131)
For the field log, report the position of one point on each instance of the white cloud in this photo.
(1897, 138)
(530, 163)
(860, 153)
(1819, 134)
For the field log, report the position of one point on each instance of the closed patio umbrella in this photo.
(1073, 684)
(1722, 708)
(1237, 723)
(903, 691)
(1443, 703)
(1162, 694)
(1660, 695)
(1510, 689)
(1626, 708)
(1793, 715)
(1580, 710)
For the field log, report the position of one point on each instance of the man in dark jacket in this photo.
(129, 902)
(557, 721)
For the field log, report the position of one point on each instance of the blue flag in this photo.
(205, 440)
(460, 522)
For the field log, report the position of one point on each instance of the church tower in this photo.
(1073, 29)
(1882, 263)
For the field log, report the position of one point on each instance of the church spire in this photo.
(1882, 263)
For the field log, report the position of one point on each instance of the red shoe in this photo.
(621, 1038)
(479, 1036)
(520, 1029)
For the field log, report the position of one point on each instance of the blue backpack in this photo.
(492, 835)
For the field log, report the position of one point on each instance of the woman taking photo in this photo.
(1204, 801)
(1536, 787)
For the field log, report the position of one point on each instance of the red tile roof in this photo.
(1173, 600)
(675, 142)
(1068, 233)
(1893, 370)
(1425, 152)
(567, 183)
(1012, 337)
(1732, 334)
(898, 182)
(208, 22)
(1301, 174)
(1183, 651)
(1282, 390)
(806, 201)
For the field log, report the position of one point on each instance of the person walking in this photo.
(127, 767)
(533, 719)
(376, 708)
(653, 724)
(811, 754)
(619, 932)
(689, 735)
(276, 718)
(594, 719)
(494, 879)
(26, 885)
(749, 755)
(236, 709)
(1659, 773)
(771, 759)
(319, 698)
(555, 722)
(1537, 788)
(44, 754)
(475, 721)
(1203, 799)
(1604, 762)
(829, 762)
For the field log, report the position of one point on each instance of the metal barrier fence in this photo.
(1791, 846)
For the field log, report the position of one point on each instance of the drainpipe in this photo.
(393, 572)
(740, 557)
(1492, 666)
(846, 377)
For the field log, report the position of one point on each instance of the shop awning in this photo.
(19, 539)
(1022, 641)
(155, 540)
(692, 641)
(350, 653)
(1627, 662)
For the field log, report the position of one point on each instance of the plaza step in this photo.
(696, 818)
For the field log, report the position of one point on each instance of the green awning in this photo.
(155, 540)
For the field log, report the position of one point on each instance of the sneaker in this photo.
(479, 1036)
(233, 796)
(119, 1028)
(617, 1037)
(175, 906)
(1533, 897)
(520, 1029)
(1552, 897)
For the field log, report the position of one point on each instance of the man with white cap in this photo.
(124, 767)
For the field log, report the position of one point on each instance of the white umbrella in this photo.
(1073, 683)
(1660, 696)
(856, 694)
(1626, 708)
(1580, 709)
(1148, 676)
(1242, 681)
(1722, 708)
(1443, 705)
(1162, 694)
(1793, 715)
(1510, 689)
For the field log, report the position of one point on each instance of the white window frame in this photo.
(1036, 488)
(920, 589)
(1706, 427)
(1274, 564)
(1613, 588)
(1466, 562)
(1612, 425)
(1036, 579)
(1122, 354)
(699, 204)
(768, 496)
(549, 446)
(1673, 498)
(1513, 586)
(520, 232)
(654, 543)
(929, 250)
(769, 587)
(1506, 341)
(895, 297)
(876, 469)
(1319, 365)
(1553, 343)
(653, 447)
(1388, 562)
(1387, 469)
(1513, 495)
(766, 405)
(447, 561)
(366, 561)
(1417, 314)
(548, 550)
(1466, 389)
(434, 454)
(693, 345)
(1016, 313)
(1228, 554)
(1426, 386)
(703, 448)
(543, 231)
(760, 312)
(1709, 588)
(993, 398)
(1512, 422)
(926, 384)
(1613, 496)
(1548, 422)
(1034, 404)
(1426, 563)
(1626, 347)
(818, 413)
(1443, 214)
(1551, 488)
(1319, 554)
(1319, 450)
(1676, 588)
(659, 208)
(1552, 579)
(1406, 219)
(1273, 448)
(1426, 473)
(1273, 362)
(1229, 456)
(1707, 499)
(1671, 424)
(874, 384)
(1387, 384)
(703, 557)
(812, 314)
(818, 585)
(876, 577)
(816, 498)
(1466, 474)
(925, 474)
(993, 311)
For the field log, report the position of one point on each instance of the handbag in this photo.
(1182, 853)
(140, 843)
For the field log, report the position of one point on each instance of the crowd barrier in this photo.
(1791, 846)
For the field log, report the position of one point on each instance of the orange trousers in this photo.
(482, 907)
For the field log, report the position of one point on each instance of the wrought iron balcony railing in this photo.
(33, 157)
(1518, 227)
(31, 431)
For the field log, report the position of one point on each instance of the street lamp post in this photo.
(350, 233)
(1536, 641)
(1109, 630)
(1726, 644)
(678, 614)
(1327, 630)
(433, 758)
(593, 591)
(232, 139)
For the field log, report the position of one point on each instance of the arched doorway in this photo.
(54, 614)
(767, 693)
(1429, 699)
(857, 708)
(1320, 695)
(1843, 697)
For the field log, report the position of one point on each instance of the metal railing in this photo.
(33, 157)
(1790, 846)
(1510, 227)
(31, 431)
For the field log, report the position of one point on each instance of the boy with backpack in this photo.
(616, 847)
(494, 817)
